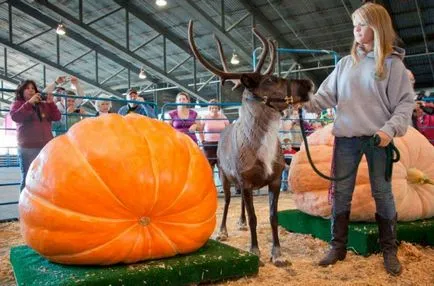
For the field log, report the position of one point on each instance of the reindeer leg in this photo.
(273, 198)
(223, 233)
(242, 225)
(248, 199)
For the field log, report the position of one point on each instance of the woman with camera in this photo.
(33, 114)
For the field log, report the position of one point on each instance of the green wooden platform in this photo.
(214, 261)
(362, 237)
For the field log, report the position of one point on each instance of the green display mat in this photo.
(214, 261)
(362, 237)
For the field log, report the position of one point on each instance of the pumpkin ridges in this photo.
(188, 237)
(164, 237)
(135, 254)
(57, 235)
(105, 254)
(137, 238)
(191, 213)
(153, 167)
(184, 188)
(161, 242)
(98, 176)
(173, 150)
(146, 233)
(43, 166)
(51, 205)
(429, 195)
(203, 183)
(181, 206)
(200, 163)
(189, 224)
(117, 171)
(84, 252)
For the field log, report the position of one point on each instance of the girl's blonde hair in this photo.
(98, 102)
(377, 18)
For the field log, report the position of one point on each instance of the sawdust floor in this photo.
(302, 251)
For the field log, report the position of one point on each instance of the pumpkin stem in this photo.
(144, 221)
(416, 176)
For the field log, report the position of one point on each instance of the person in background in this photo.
(373, 96)
(317, 124)
(295, 129)
(183, 118)
(134, 107)
(421, 117)
(327, 116)
(103, 106)
(211, 125)
(69, 106)
(33, 114)
(285, 138)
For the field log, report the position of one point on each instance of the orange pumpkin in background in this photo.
(118, 189)
(412, 179)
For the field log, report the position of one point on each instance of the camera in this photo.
(43, 97)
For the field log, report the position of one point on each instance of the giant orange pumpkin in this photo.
(118, 189)
(412, 180)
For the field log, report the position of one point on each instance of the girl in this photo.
(373, 95)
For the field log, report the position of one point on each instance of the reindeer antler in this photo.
(225, 74)
(270, 69)
(236, 82)
(264, 50)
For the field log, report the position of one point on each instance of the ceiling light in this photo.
(142, 74)
(161, 3)
(61, 29)
(234, 59)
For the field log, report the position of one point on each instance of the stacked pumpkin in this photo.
(118, 189)
(412, 180)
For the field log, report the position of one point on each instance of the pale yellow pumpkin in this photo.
(412, 180)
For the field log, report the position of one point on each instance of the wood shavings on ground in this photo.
(302, 251)
(9, 236)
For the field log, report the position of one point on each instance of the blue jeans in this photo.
(26, 157)
(284, 184)
(347, 154)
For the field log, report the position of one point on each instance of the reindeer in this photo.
(249, 154)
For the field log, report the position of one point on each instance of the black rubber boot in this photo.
(338, 244)
(389, 244)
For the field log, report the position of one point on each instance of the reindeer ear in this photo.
(250, 80)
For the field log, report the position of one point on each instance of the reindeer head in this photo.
(275, 92)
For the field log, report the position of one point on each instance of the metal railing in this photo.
(11, 160)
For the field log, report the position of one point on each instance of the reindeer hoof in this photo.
(242, 226)
(280, 262)
(222, 236)
(255, 251)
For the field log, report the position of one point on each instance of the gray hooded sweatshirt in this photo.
(366, 104)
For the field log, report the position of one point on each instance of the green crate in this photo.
(214, 261)
(362, 236)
